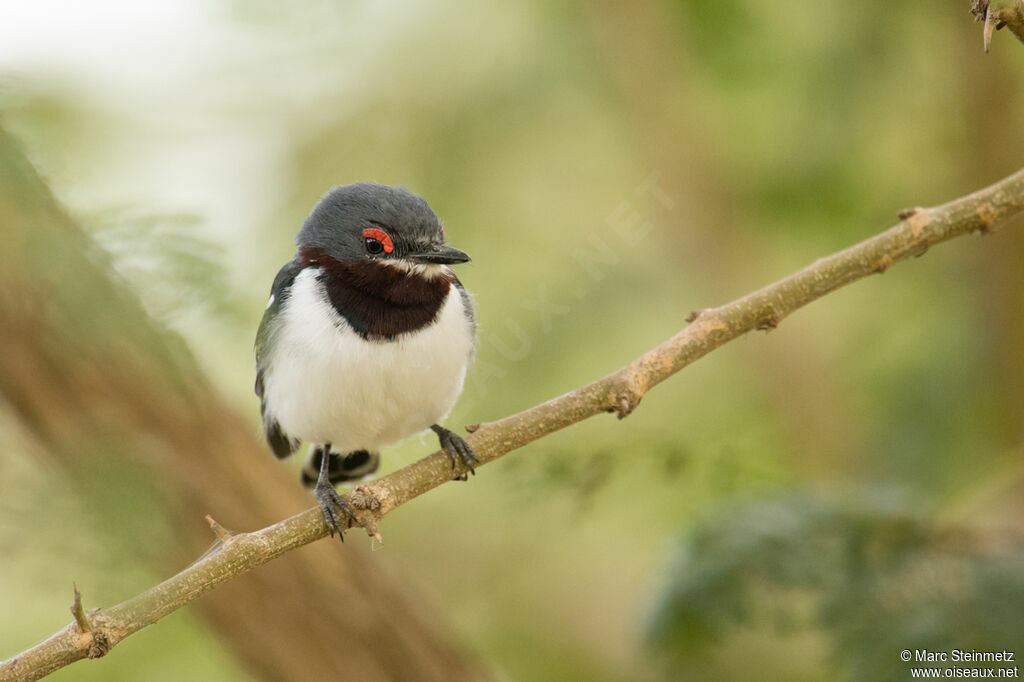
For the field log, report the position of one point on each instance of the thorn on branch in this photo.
(694, 314)
(998, 14)
(986, 33)
(79, 613)
(99, 645)
(222, 533)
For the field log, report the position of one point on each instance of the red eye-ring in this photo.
(381, 236)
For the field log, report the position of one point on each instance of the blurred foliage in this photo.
(180, 271)
(869, 577)
(779, 132)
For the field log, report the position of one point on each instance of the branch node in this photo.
(917, 219)
(367, 510)
(694, 314)
(472, 428)
(769, 320)
(988, 218)
(100, 645)
(626, 395)
(222, 533)
(883, 263)
(79, 613)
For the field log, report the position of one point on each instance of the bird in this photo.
(366, 339)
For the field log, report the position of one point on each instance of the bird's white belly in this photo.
(326, 384)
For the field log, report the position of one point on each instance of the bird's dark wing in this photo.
(467, 305)
(280, 442)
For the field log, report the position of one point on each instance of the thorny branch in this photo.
(998, 14)
(94, 634)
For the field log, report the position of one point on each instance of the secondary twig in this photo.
(619, 392)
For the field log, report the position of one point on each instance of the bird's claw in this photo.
(337, 514)
(457, 449)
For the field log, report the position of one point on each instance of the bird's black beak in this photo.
(440, 254)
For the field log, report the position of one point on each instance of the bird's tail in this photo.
(340, 468)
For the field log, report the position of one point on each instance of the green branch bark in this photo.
(620, 393)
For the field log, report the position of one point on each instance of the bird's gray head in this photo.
(366, 222)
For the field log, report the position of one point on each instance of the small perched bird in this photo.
(366, 338)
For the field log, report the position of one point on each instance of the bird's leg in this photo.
(456, 447)
(330, 501)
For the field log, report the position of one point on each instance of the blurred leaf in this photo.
(875, 577)
(165, 258)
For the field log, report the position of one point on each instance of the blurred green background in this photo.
(800, 505)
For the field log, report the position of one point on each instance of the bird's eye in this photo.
(377, 241)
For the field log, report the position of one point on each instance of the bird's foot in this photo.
(337, 513)
(457, 449)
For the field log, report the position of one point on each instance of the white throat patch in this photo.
(425, 270)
